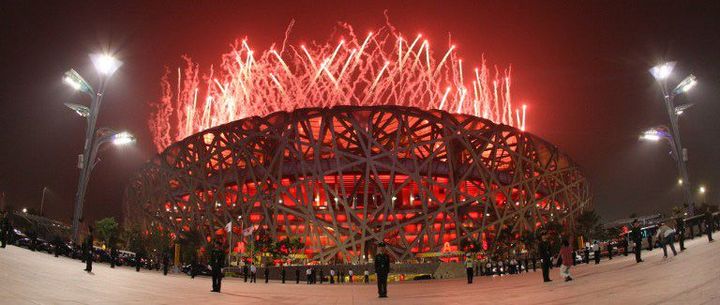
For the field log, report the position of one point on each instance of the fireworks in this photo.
(379, 68)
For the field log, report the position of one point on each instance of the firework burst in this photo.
(378, 68)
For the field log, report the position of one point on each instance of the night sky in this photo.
(581, 68)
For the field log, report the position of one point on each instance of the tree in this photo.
(106, 228)
(589, 226)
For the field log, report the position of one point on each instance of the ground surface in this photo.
(693, 277)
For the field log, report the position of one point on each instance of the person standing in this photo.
(709, 225)
(586, 256)
(544, 251)
(217, 258)
(666, 236)
(245, 272)
(282, 274)
(165, 262)
(610, 250)
(113, 250)
(350, 276)
(382, 269)
(138, 259)
(625, 246)
(332, 276)
(297, 275)
(636, 235)
(253, 273)
(566, 254)
(596, 252)
(266, 273)
(322, 275)
(366, 275)
(534, 261)
(680, 225)
(193, 265)
(469, 268)
(308, 273)
(89, 250)
(5, 229)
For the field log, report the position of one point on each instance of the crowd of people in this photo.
(543, 254)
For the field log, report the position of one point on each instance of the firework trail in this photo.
(379, 68)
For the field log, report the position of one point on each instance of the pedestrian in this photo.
(89, 250)
(680, 231)
(253, 273)
(282, 274)
(217, 259)
(666, 236)
(586, 256)
(245, 272)
(610, 250)
(534, 261)
(636, 235)
(709, 224)
(366, 274)
(501, 268)
(193, 265)
(332, 276)
(488, 268)
(266, 273)
(5, 229)
(350, 276)
(57, 243)
(138, 259)
(297, 275)
(308, 273)
(165, 262)
(650, 241)
(382, 269)
(625, 246)
(527, 264)
(566, 254)
(322, 275)
(596, 252)
(469, 268)
(113, 250)
(544, 251)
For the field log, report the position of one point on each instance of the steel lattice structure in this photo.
(345, 177)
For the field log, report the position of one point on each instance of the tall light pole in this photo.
(105, 65)
(42, 201)
(661, 73)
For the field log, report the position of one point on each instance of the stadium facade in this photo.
(343, 178)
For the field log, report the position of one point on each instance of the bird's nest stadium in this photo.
(343, 178)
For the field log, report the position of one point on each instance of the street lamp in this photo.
(661, 73)
(105, 65)
(42, 201)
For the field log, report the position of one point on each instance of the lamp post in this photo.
(661, 73)
(105, 65)
(42, 201)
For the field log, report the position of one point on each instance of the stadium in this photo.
(342, 178)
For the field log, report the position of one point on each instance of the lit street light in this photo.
(105, 65)
(702, 189)
(661, 73)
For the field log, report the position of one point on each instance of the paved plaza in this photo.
(693, 277)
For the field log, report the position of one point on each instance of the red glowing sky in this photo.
(581, 68)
